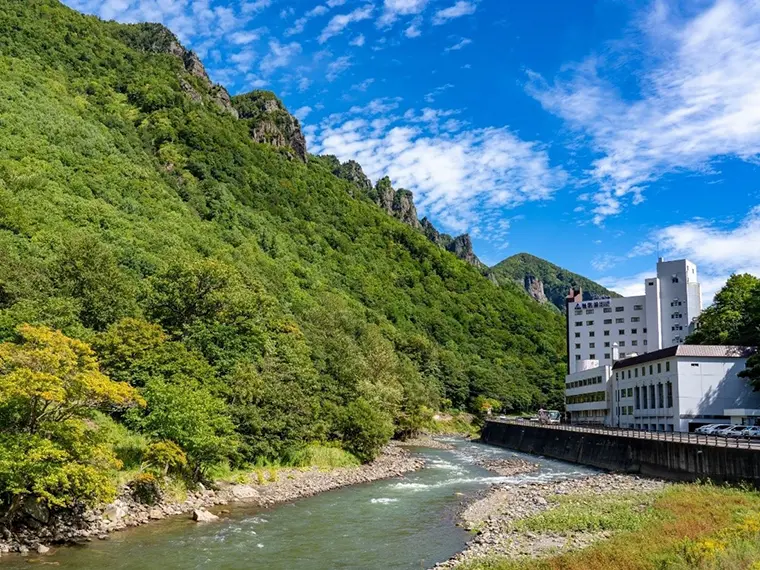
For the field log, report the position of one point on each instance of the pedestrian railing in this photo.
(681, 437)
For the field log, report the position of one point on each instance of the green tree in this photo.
(734, 316)
(49, 386)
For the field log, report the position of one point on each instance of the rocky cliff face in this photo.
(156, 38)
(461, 246)
(353, 173)
(535, 288)
(270, 122)
(403, 208)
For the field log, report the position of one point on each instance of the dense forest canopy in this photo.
(557, 281)
(254, 300)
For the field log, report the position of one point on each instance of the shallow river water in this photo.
(398, 523)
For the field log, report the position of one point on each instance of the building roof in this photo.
(694, 350)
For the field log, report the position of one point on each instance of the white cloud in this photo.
(335, 68)
(335, 3)
(392, 9)
(302, 112)
(279, 56)
(461, 8)
(626, 286)
(242, 38)
(299, 25)
(255, 6)
(304, 83)
(697, 100)
(430, 97)
(358, 41)
(364, 85)
(459, 45)
(464, 178)
(338, 23)
(413, 30)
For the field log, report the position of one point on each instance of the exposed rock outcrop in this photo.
(535, 288)
(156, 38)
(461, 246)
(352, 172)
(384, 195)
(269, 121)
(403, 208)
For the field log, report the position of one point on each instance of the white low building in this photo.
(681, 388)
(659, 318)
(588, 394)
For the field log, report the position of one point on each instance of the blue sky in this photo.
(593, 134)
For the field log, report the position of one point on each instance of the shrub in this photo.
(146, 489)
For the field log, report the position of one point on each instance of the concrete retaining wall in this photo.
(666, 459)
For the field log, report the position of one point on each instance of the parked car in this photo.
(706, 429)
(714, 428)
(752, 432)
(731, 431)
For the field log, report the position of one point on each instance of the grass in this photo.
(685, 527)
(456, 423)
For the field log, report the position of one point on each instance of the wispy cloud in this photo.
(393, 9)
(697, 100)
(461, 8)
(413, 30)
(430, 97)
(302, 112)
(461, 176)
(358, 41)
(279, 55)
(335, 68)
(339, 22)
(459, 45)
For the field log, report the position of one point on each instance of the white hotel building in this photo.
(660, 318)
(629, 369)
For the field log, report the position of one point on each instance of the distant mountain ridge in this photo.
(545, 281)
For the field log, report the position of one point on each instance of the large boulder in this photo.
(202, 515)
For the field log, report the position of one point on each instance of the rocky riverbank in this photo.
(46, 530)
(494, 515)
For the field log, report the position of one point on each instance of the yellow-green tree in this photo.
(49, 386)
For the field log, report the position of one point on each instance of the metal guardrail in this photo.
(676, 436)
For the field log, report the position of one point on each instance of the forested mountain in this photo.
(253, 298)
(544, 281)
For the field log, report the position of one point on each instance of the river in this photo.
(402, 523)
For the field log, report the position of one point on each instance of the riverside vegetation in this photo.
(184, 290)
(613, 521)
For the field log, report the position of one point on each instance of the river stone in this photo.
(244, 492)
(156, 514)
(42, 549)
(200, 515)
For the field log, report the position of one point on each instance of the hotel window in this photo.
(650, 283)
(636, 372)
(578, 312)
(634, 331)
(592, 345)
(638, 398)
(590, 323)
(621, 331)
(577, 335)
(607, 321)
(634, 343)
(616, 376)
(635, 319)
(608, 309)
(651, 396)
(645, 342)
(660, 397)
(577, 357)
(622, 343)
(644, 398)
(619, 309)
(589, 311)
(607, 355)
(620, 320)
(622, 355)
(577, 346)
(643, 370)
(592, 356)
(591, 333)
(578, 323)
(606, 344)
(670, 394)
(667, 366)
(606, 333)
(675, 279)
(645, 330)
(638, 307)
(629, 373)
(659, 367)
